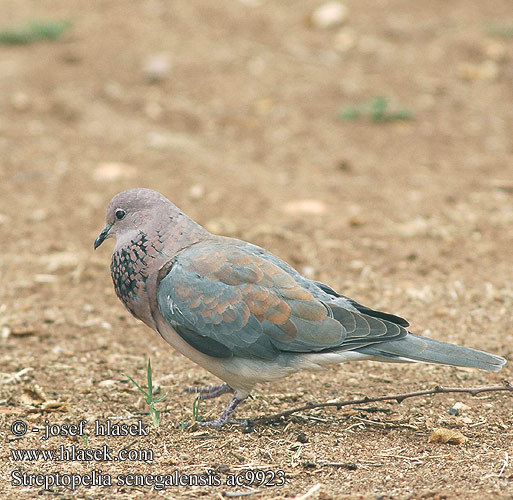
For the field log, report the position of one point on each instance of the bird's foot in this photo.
(225, 417)
(212, 391)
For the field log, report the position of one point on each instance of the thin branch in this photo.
(506, 386)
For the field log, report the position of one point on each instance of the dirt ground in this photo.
(231, 110)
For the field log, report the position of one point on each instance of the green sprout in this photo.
(195, 414)
(34, 32)
(377, 110)
(148, 396)
(195, 408)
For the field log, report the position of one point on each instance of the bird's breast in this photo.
(130, 268)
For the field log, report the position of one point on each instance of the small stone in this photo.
(106, 383)
(45, 278)
(356, 221)
(156, 68)
(419, 226)
(158, 141)
(37, 215)
(52, 315)
(308, 271)
(196, 192)
(302, 438)
(20, 101)
(113, 91)
(329, 15)
(112, 171)
(305, 207)
(450, 436)
(5, 331)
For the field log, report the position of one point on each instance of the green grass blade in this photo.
(150, 380)
(137, 385)
(195, 408)
(34, 32)
(160, 398)
(49, 30)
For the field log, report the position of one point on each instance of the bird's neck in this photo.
(139, 255)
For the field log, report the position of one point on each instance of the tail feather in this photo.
(426, 350)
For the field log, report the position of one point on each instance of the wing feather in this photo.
(230, 300)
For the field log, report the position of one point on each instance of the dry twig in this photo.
(310, 492)
(506, 386)
(504, 463)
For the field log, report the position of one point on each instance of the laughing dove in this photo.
(240, 311)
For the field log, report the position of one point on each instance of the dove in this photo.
(241, 312)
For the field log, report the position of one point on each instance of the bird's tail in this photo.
(426, 350)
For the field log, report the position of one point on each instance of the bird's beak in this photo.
(102, 236)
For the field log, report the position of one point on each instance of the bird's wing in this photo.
(227, 300)
(363, 309)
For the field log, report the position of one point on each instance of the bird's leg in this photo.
(212, 391)
(226, 415)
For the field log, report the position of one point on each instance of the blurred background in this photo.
(367, 142)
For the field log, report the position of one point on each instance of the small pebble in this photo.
(156, 68)
(305, 207)
(112, 171)
(113, 91)
(302, 438)
(329, 15)
(356, 221)
(461, 406)
(106, 383)
(37, 215)
(309, 272)
(196, 192)
(20, 101)
(45, 278)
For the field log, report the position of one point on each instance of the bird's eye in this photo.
(120, 214)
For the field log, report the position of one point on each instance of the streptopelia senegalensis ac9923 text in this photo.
(240, 311)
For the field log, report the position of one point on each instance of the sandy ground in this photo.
(230, 109)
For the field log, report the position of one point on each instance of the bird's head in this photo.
(130, 209)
